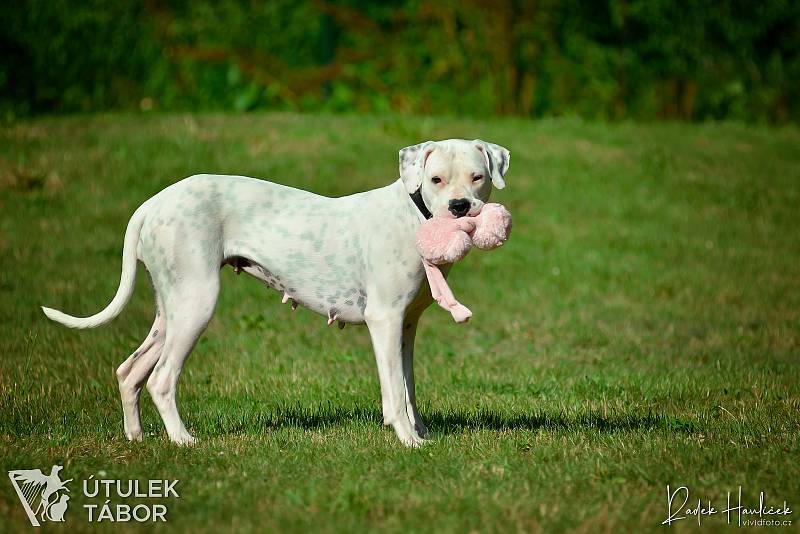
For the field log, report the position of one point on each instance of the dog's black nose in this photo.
(458, 206)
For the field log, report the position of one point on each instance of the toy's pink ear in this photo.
(493, 227)
(497, 159)
(412, 164)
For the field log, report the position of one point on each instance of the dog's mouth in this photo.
(475, 211)
(472, 212)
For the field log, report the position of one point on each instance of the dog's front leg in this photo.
(409, 333)
(386, 330)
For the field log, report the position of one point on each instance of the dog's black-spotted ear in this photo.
(497, 160)
(412, 164)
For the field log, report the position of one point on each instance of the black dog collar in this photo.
(416, 196)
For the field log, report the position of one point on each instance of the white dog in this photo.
(352, 259)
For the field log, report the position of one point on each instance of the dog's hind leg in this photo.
(189, 307)
(133, 373)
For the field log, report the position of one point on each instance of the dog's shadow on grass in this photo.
(449, 422)
(455, 422)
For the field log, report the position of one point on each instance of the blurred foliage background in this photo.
(617, 59)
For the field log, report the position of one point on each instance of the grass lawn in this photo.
(641, 328)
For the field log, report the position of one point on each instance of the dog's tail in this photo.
(126, 283)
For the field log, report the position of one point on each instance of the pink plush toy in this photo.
(442, 241)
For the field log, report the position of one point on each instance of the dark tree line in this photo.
(641, 59)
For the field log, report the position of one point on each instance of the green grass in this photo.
(641, 328)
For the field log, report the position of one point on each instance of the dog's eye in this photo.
(436, 180)
(477, 177)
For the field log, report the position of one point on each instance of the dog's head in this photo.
(454, 176)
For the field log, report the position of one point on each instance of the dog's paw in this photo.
(409, 436)
(184, 439)
(134, 436)
(414, 441)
